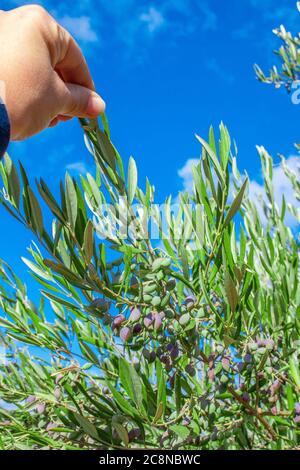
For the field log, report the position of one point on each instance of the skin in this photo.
(45, 78)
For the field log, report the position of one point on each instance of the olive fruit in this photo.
(125, 334)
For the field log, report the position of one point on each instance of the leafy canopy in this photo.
(183, 336)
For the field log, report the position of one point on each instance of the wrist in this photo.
(4, 128)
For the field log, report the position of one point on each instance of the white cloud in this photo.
(80, 27)
(282, 187)
(129, 22)
(281, 184)
(153, 19)
(186, 173)
(77, 168)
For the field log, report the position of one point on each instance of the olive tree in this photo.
(170, 325)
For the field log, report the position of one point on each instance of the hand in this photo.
(45, 76)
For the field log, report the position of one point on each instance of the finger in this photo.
(63, 118)
(58, 119)
(77, 101)
(71, 64)
(54, 122)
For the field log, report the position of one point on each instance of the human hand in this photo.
(45, 76)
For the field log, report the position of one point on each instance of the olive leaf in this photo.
(236, 204)
(88, 243)
(71, 201)
(131, 382)
(231, 292)
(132, 179)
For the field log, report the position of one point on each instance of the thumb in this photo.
(78, 101)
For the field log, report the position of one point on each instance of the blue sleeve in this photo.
(4, 129)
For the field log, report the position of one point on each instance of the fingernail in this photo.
(96, 105)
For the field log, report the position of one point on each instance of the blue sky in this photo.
(167, 69)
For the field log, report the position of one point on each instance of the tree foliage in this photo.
(289, 56)
(187, 339)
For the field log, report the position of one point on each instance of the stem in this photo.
(253, 412)
(175, 420)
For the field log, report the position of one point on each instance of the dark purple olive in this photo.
(190, 369)
(149, 355)
(134, 434)
(174, 353)
(165, 359)
(118, 320)
(125, 334)
(152, 356)
(246, 397)
(248, 358)
(137, 329)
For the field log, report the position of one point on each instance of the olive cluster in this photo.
(164, 334)
(260, 371)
